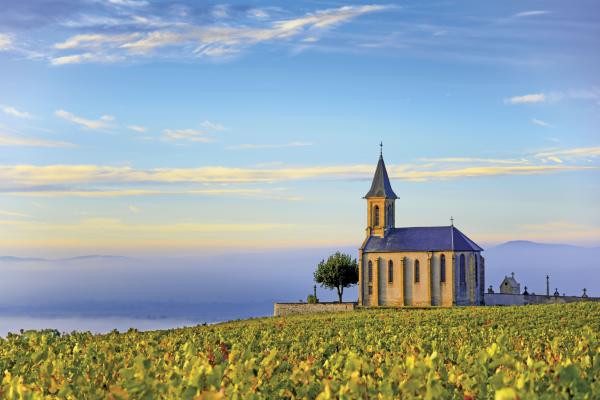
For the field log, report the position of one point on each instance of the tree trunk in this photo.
(340, 291)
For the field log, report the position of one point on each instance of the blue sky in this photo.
(133, 126)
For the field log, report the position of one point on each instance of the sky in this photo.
(178, 127)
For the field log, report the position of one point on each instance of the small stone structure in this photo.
(283, 309)
(510, 285)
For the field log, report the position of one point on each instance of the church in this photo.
(414, 266)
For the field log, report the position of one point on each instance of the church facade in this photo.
(414, 266)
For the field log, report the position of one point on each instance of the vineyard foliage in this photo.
(531, 352)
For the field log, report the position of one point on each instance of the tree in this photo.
(338, 272)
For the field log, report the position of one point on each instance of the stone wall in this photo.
(283, 309)
(501, 299)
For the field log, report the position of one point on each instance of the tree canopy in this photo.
(338, 272)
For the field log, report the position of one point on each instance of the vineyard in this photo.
(532, 352)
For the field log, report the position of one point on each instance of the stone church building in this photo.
(416, 266)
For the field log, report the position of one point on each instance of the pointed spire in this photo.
(381, 186)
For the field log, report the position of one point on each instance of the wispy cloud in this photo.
(102, 123)
(213, 126)
(138, 128)
(539, 122)
(531, 13)
(29, 177)
(527, 99)
(5, 42)
(16, 113)
(592, 94)
(212, 41)
(129, 3)
(14, 214)
(249, 146)
(475, 160)
(193, 135)
(259, 193)
(12, 140)
(559, 155)
(85, 57)
(203, 135)
(94, 225)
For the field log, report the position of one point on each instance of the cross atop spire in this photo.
(381, 149)
(451, 221)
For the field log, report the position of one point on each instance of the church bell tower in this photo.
(380, 201)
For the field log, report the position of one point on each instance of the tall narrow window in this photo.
(462, 273)
(417, 272)
(476, 271)
(376, 215)
(390, 271)
(442, 268)
(370, 271)
(388, 215)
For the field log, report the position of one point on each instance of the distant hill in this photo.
(19, 259)
(77, 258)
(571, 268)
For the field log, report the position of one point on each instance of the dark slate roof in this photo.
(381, 186)
(429, 238)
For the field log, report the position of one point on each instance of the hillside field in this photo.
(531, 352)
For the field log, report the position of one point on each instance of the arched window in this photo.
(388, 215)
(376, 216)
(462, 273)
(390, 271)
(442, 268)
(417, 272)
(370, 271)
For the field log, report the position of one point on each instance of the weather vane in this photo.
(381, 148)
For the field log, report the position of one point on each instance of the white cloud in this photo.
(554, 159)
(93, 40)
(11, 140)
(194, 135)
(475, 160)
(16, 113)
(134, 209)
(216, 51)
(205, 40)
(212, 126)
(14, 176)
(540, 122)
(271, 193)
(258, 13)
(129, 3)
(531, 13)
(14, 214)
(528, 98)
(5, 42)
(558, 155)
(249, 146)
(138, 128)
(85, 57)
(101, 123)
(592, 94)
